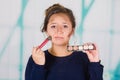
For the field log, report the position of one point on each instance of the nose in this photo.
(59, 30)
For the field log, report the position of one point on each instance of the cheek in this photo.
(69, 34)
(50, 33)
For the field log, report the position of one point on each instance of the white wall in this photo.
(20, 22)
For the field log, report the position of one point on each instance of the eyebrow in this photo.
(56, 23)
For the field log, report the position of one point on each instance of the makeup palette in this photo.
(80, 47)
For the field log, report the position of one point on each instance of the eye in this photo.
(53, 26)
(65, 26)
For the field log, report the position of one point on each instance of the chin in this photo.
(60, 44)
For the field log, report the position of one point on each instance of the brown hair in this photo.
(54, 9)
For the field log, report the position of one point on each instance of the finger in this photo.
(39, 51)
(95, 45)
(33, 50)
(88, 53)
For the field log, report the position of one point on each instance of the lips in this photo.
(58, 37)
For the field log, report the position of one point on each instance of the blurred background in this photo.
(97, 21)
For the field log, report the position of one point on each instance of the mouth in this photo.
(58, 37)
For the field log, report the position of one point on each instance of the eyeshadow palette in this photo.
(80, 47)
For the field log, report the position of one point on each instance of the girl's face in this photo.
(60, 29)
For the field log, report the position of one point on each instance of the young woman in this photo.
(57, 63)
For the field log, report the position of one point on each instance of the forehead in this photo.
(59, 16)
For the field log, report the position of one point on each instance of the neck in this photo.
(59, 51)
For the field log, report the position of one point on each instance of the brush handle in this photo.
(44, 42)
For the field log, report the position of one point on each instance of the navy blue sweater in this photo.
(73, 67)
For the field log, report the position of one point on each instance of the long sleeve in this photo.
(75, 66)
(95, 70)
(34, 71)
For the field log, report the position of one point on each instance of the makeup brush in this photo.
(44, 42)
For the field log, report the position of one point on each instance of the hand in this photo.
(93, 55)
(38, 56)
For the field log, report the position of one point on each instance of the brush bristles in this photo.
(49, 38)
